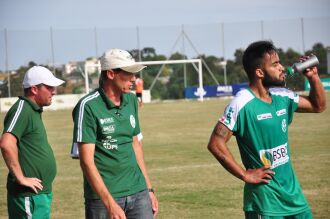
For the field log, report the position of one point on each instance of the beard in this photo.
(271, 82)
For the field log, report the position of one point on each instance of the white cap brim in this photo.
(133, 68)
(118, 58)
(54, 82)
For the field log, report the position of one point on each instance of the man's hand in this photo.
(259, 175)
(115, 211)
(87, 164)
(33, 183)
(309, 72)
(9, 150)
(315, 102)
(154, 203)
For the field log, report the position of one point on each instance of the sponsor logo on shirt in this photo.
(109, 143)
(281, 112)
(132, 121)
(108, 129)
(284, 125)
(264, 116)
(275, 157)
(226, 119)
(105, 121)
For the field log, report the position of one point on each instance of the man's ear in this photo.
(260, 73)
(110, 74)
(34, 90)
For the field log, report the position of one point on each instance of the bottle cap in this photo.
(289, 71)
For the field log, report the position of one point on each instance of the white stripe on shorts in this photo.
(27, 205)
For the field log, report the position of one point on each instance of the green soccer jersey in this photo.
(261, 131)
(35, 155)
(111, 128)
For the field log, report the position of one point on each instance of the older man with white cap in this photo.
(25, 148)
(108, 135)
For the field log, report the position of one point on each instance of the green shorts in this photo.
(36, 206)
(254, 215)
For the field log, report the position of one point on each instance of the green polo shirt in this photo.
(35, 155)
(111, 128)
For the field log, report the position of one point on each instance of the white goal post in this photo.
(200, 73)
(199, 69)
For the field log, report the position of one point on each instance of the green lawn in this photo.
(189, 182)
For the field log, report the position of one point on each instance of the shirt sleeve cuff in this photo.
(139, 136)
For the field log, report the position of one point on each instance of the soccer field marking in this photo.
(184, 167)
(311, 157)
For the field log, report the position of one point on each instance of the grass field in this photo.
(189, 182)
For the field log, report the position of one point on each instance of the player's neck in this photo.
(113, 94)
(261, 92)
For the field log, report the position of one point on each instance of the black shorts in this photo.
(138, 94)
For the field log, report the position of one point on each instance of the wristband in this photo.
(151, 190)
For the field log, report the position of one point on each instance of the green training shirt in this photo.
(98, 121)
(35, 155)
(261, 131)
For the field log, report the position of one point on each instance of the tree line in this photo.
(170, 84)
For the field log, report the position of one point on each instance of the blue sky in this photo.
(17, 16)
(22, 14)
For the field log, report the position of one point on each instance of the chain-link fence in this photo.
(59, 46)
(55, 47)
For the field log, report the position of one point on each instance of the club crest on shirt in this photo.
(132, 121)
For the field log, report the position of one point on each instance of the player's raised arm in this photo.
(315, 102)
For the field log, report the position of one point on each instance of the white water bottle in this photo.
(302, 66)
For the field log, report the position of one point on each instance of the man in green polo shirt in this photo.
(108, 135)
(26, 150)
(259, 118)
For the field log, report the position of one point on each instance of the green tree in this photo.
(171, 81)
(235, 70)
(16, 80)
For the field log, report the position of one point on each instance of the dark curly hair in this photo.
(254, 54)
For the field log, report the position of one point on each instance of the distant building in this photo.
(91, 65)
(73, 66)
(76, 71)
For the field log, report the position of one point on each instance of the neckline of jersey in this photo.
(260, 100)
(109, 103)
(33, 105)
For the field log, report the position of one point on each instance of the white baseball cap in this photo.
(117, 58)
(40, 75)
